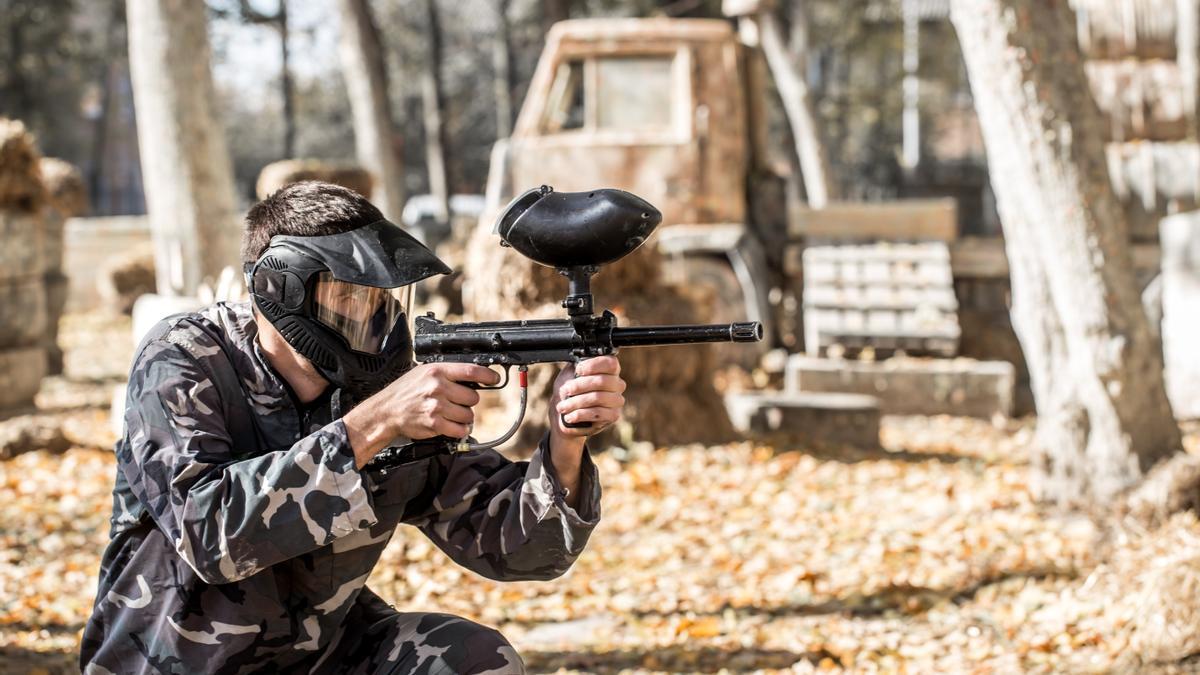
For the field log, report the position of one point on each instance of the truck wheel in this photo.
(728, 304)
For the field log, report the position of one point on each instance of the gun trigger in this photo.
(498, 386)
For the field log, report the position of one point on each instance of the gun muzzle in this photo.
(747, 331)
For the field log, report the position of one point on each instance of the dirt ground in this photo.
(929, 556)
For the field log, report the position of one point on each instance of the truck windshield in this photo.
(626, 93)
(633, 93)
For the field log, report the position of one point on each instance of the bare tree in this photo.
(1097, 370)
(366, 82)
(279, 21)
(185, 162)
(433, 102)
(502, 71)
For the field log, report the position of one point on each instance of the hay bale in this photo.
(57, 287)
(23, 252)
(498, 279)
(65, 190)
(125, 278)
(21, 186)
(1121, 28)
(1165, 596)
(1143, 100)
(21, 373)
(285, 172)
(22, 312)
(27, 433)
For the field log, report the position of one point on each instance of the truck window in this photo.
(633, 93)
(564, 107)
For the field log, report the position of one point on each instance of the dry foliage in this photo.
(21, 186)
(929, 556)
(65, 190)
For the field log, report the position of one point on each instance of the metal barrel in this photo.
(647, 336)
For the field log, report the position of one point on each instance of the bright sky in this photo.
(246, 57)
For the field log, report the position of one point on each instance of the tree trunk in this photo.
(285, 84)
(366, 82)
(793, 89)
(186, 170)
(435, 131)
(1187, 50)
(554, 11)
(502, 71)
(1076, 306)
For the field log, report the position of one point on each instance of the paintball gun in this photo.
(576, 233)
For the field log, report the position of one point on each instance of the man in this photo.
(247, 512)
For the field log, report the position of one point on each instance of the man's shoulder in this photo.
(201, 335)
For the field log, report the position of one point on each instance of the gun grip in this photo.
(573, 425)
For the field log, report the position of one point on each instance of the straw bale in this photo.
(1163, 601)
(498, 280)
(21, 373)
(285, 172)
(1143, 100)
(667, 418)
(65, 191)
(21, 186)
(27, 433)
(22, 254)
(1152, 175)
(22, 312)
(125, 278)
(1121, 28)
(57, 286)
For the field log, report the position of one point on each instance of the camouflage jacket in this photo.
(231, 554)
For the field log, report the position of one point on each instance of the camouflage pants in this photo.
(381, 640)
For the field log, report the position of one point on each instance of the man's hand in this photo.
(427, 401)
(590, 391)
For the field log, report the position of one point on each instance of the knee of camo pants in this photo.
(465, 647)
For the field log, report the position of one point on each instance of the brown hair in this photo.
(305, 209)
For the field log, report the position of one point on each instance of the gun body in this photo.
(515, 343)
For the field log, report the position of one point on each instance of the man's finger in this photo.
(594, 399)
(599, 417)
(586, 383)
(600, 365)
(456, 413)
(445, 427)
(461, 394)
(469, 372)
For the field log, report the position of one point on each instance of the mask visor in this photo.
(363, 315)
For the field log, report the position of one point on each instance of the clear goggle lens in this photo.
(364, 315)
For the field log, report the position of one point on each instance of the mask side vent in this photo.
(269, 308)
(274, 263)
(306, 344)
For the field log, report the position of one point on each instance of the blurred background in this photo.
(968, 227)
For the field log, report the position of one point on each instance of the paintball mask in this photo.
(343, 300)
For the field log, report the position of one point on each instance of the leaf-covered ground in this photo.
(928, 557)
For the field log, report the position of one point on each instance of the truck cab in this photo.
(656, 107)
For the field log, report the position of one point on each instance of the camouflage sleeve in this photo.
(230, 518)
(508, 520)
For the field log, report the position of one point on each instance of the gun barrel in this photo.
(647, 336)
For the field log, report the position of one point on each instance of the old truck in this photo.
(670, 109)
(656, 107)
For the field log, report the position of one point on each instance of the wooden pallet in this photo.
(885, 296)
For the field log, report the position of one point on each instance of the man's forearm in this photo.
(368, 429)
(567, 454)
